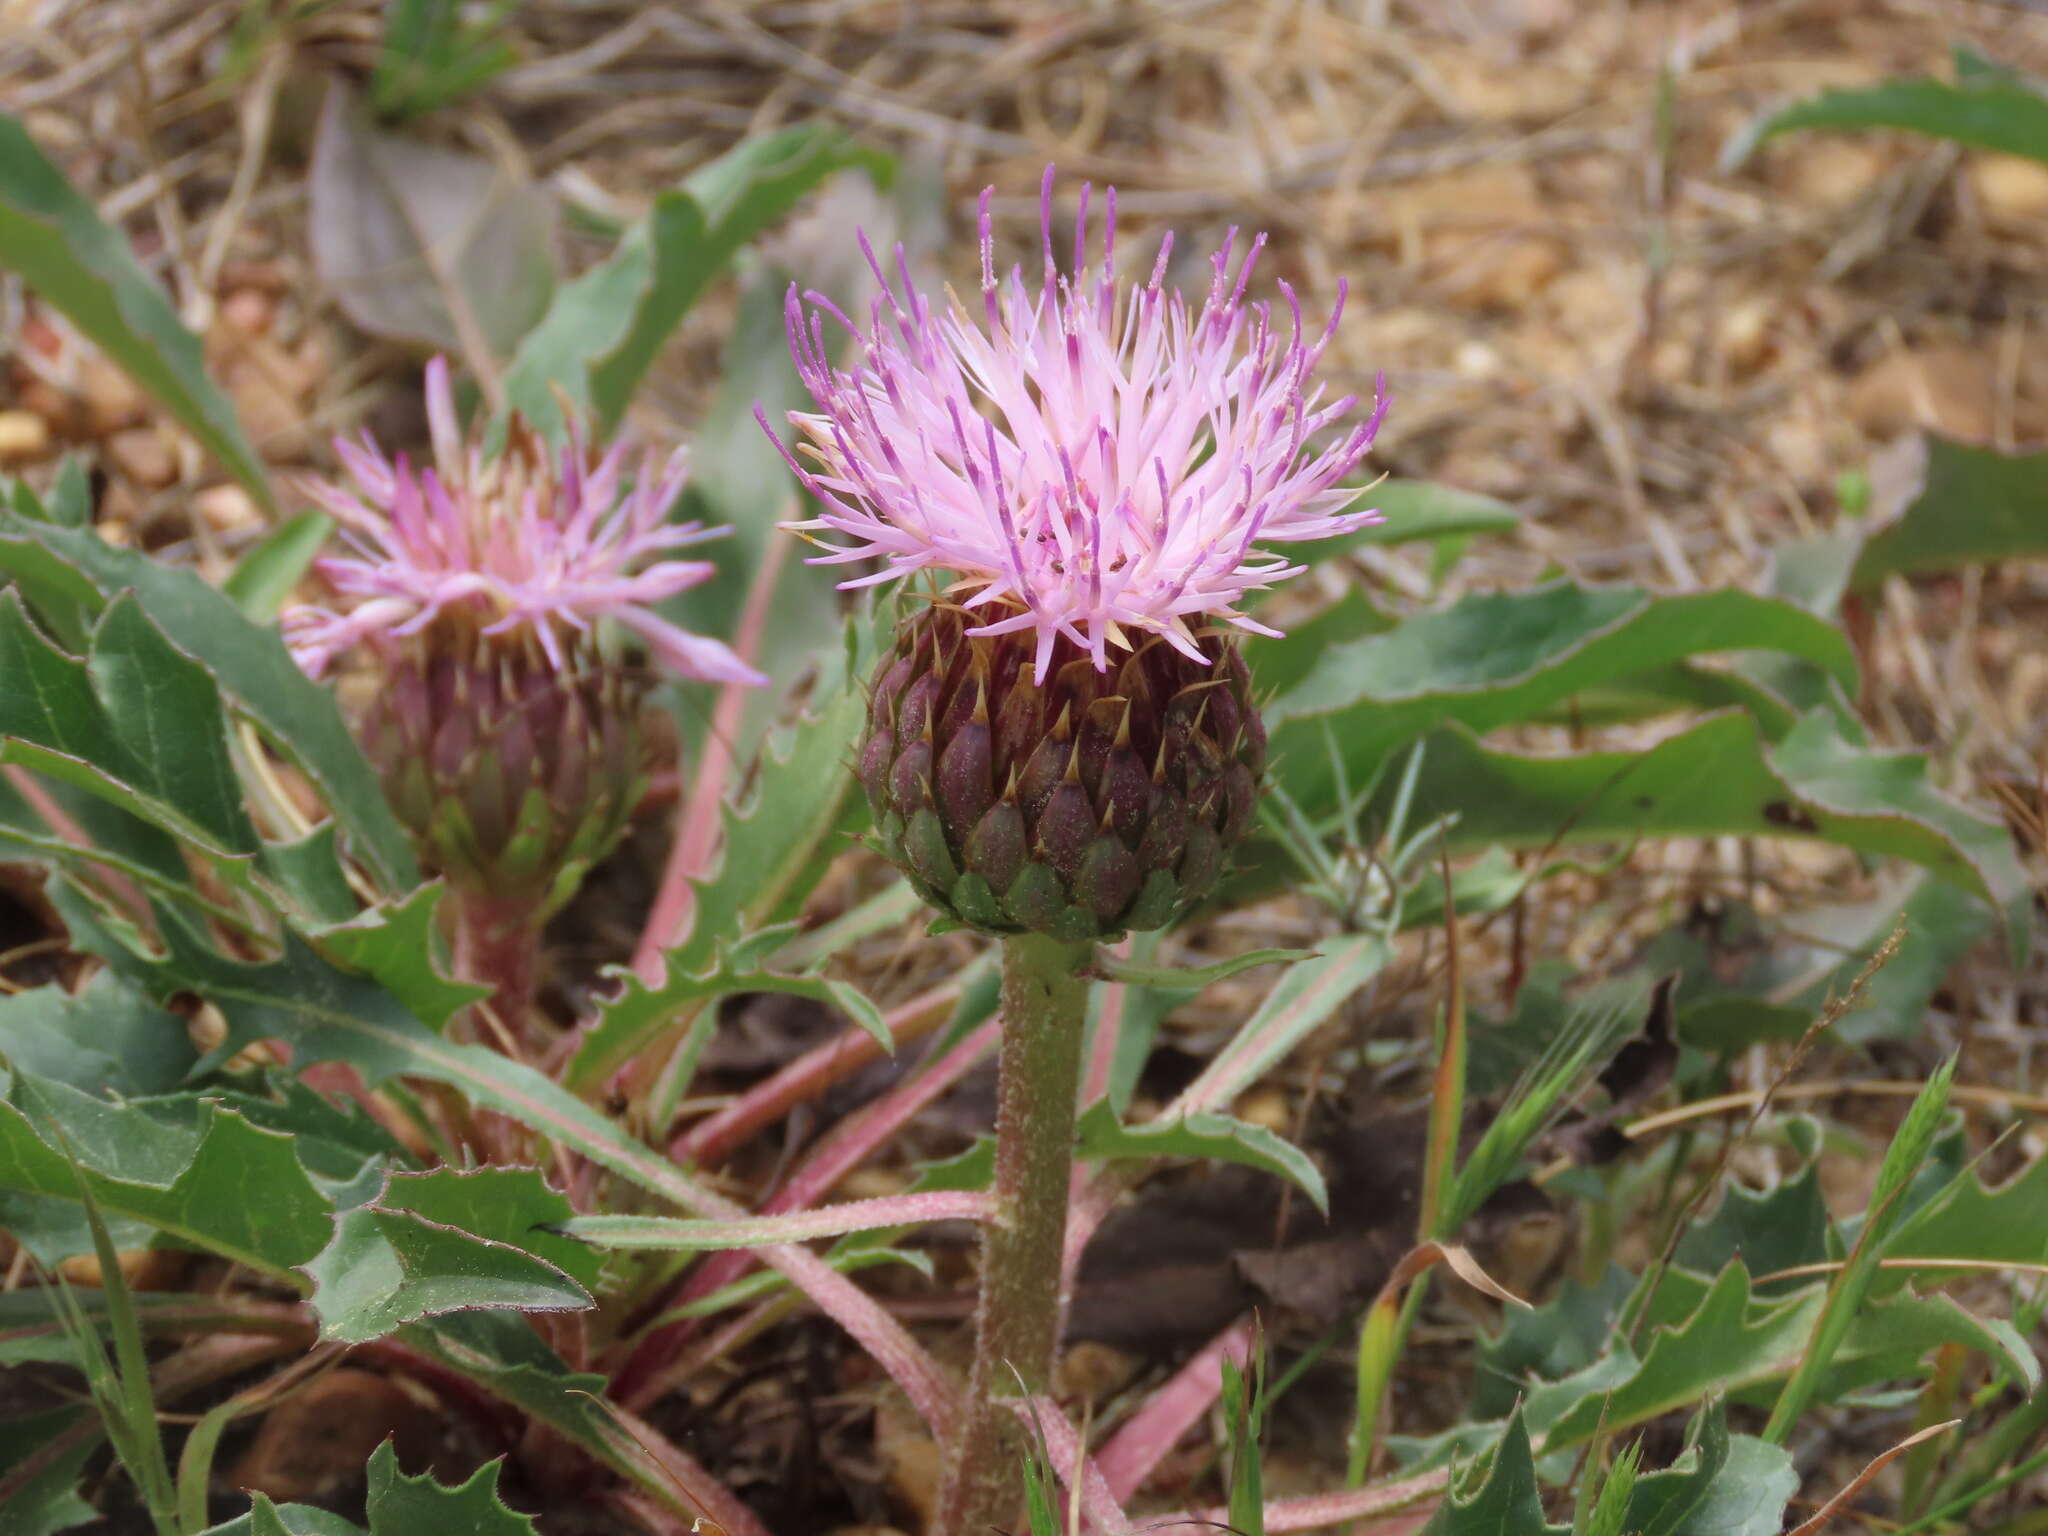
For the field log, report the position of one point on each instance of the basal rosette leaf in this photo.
(1102, 1138)
(134, 723)
(1973, 506)
(1497, 1494)
(1495, 658)
(326, 1014)
(108, 1038)
(604, 329)
(445, 1241)
(1715, 777)
(200, 1175)
(246, 661)
(775, 843)
(74, 261)
(402, 1505)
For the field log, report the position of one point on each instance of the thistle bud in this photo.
(1099, 802)
(513, 778)
(505, 719)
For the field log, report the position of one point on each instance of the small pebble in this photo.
(24, 437)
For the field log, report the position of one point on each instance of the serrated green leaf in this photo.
(386, 1268)
(603, 330)
(1497, 1495)
(70, 501)
(640, 1012)
(501, 1353)
(309, 877)
(74, 261)
(1970, 1219)
(325, 1015)
(1100, 1138)
(397, 944)
(299, 995)
(1769, 1230)
(1974, 506)
(514, 1206)
(199, 1174)
(1563, 1336)
(400, 1505)
(109, 1038)
(774, 844)
(1726, 1342)
(1984, 111)
(1719, 1485)
(255, 673)
(1716, 777)
(136, 725)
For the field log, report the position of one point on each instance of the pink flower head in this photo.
(1090, 458)
(509, 546)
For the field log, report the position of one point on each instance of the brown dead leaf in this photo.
(317, 1439)
(1952, 389)
(426, 244)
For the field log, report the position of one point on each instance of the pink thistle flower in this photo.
(1091, 459)
(510, 548)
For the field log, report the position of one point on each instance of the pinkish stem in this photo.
(1394, 1503)
(1109, 1025)
(44, 804)
(1142, 1441)
(708, 1141)
(697, 835)
(654, 1366)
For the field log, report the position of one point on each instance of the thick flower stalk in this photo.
(505, 719)
(1062, 742)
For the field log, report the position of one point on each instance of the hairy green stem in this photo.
(1045, 1002)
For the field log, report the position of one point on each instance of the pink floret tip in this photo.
(1091, 459)
(507, 545)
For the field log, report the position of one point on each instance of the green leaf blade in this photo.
(63, 250)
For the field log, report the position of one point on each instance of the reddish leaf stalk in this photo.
(1040, 1416)
(1142, 1441)
(59, 821)
(697, 832)
(1045, 1002)
(654, 1366)
(708, 1141)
